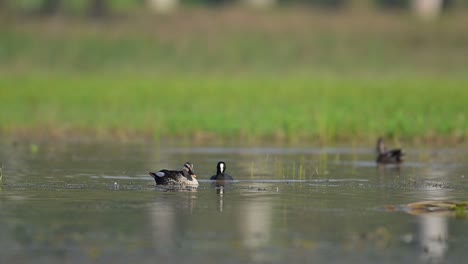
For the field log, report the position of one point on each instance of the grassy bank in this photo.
(233, 41)
(286, 75)
(284, 108)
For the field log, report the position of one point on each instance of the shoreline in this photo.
(121, 136)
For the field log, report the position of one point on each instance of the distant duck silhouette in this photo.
(384, 156)
(221, 175)
(173, 177)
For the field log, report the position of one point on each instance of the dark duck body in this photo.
(174, 177)
(221, 174)
(384, 156)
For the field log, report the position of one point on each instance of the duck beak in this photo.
(192, 173)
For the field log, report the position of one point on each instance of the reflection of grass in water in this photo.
(296, 171)
(300, 169)
(293, 173)
(424, 155)
(252, 169)
(276, 108)
(301, 172)
(323, 164)
(279, 168)
(1, 173)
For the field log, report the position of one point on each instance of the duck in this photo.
(185, 177)
(221, 174)
(384, 156)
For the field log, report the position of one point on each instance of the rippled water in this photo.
(80, 203)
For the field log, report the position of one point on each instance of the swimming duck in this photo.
(384, 156)
(173, 177)
(220, 173)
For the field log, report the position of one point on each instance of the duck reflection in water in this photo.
(220, 180)
(433, 238)
(220, 192)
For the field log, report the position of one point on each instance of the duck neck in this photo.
(380, 147)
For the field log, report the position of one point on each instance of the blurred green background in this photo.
(247, 71)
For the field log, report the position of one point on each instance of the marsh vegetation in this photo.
(288, 75)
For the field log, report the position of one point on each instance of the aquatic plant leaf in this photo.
(425, 207)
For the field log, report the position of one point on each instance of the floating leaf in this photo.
(447, 208)
(426, 207)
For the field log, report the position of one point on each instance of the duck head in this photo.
(221, 167)
(188, 169)
(380, 148)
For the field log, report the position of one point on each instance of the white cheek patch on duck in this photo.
(160, 174)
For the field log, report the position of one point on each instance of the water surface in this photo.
(82, 203)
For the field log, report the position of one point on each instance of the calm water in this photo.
(81, 203)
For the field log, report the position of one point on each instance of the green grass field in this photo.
(285, 76)
(291, 107)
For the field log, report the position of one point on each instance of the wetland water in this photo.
(95, 203)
